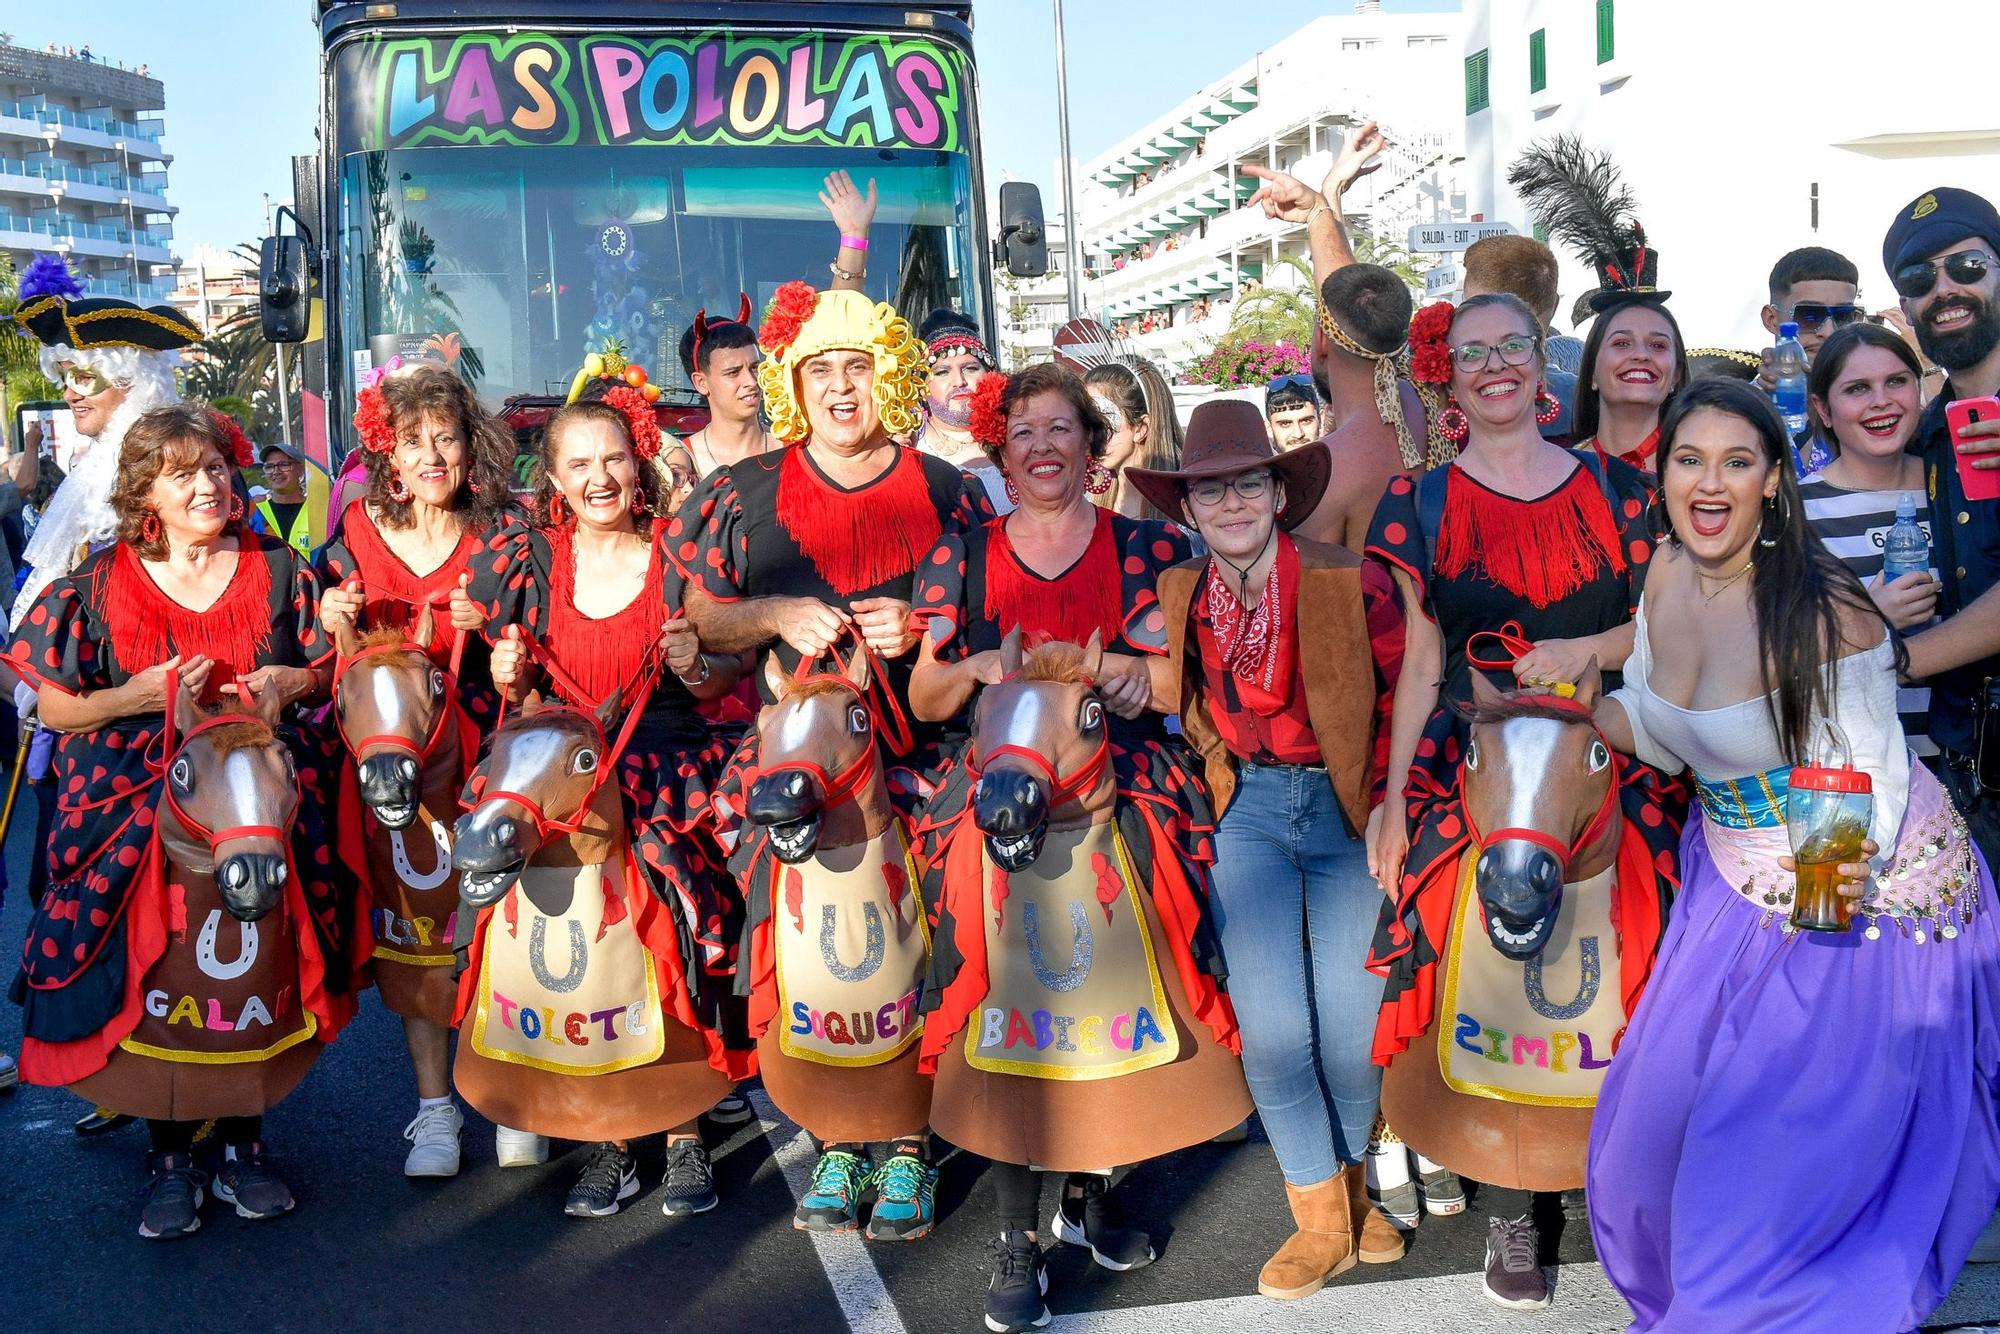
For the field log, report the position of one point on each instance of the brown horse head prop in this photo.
(819, 777)
(230, 797)
(547, 776)
(393, 706)
(1041, 748)
(1541, 803)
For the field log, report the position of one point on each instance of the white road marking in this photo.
(857, 1284)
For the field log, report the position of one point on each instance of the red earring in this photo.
(398, 492)
(556, 510)
(1453, 424)
(149, 527)
(1013, 495)
(473, 487)
(1097, 479)
(1547, 406)
(638, 500)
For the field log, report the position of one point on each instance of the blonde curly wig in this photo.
(843, 319)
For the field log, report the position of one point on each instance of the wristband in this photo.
(854, 242)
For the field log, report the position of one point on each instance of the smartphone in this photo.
(1977, 483)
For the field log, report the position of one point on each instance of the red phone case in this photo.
(1977, 483)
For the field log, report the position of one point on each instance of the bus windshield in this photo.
(509, 202)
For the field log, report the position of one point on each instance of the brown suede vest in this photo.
(1334, 657)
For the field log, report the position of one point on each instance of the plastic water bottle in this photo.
(1905, 549)
(1789, 365)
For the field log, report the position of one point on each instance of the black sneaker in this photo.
(1513, 1271)
(1088, 1216)
(173, 1197)
(733, 1110)
(248, 1182)
(690, 1180)
(1014, 1294)
(101, 1121)
(610, 1177)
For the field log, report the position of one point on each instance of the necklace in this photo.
(1708, 598)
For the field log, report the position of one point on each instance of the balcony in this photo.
(140, 138)
(1186, 130)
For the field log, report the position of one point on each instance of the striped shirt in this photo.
(1853, 525)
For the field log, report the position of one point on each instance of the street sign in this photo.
(1082, 345)
(1437, 238)
(1444, 278)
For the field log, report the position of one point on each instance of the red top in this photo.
(602, 654)
(393, 590)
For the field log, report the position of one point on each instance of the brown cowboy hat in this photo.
(1226, 437)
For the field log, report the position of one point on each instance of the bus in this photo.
(504, 188)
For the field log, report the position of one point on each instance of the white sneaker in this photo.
(434, 1138)
(10, 1073)
(520, 1148)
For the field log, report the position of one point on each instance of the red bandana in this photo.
(859, 539)
(1246, 638)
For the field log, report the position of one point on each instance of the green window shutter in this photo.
(1476, 98)
(1607, 26)
(1538, 60)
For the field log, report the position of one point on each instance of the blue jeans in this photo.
(1295, 909)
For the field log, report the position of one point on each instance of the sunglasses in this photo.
(1249, 485)
(1813, 314)
(1967, 268)
(84, 381)
(1296, 381)
(1514, 351)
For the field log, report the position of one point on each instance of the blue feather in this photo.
(48, 275)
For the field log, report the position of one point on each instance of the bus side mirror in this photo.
(1023, 245)
(284, 283)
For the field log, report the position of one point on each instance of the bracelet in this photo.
(1312, 214)
(842, 274)
(854, 243)
(699, 680)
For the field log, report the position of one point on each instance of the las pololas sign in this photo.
(1437, 238)
(714, 88)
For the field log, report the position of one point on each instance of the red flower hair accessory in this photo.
(1430, 354)
(639, 419)
(790, 310)
(989, 420)
(239, 443)
(371, 421)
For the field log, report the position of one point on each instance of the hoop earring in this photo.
(1771, 512)
(1097, 479)
(235, 508)
(638, 500)
(556, 510)
(1453, 424)
(1553, 410)
(149, 527)
(399, 492)
(473, 487)
(1658, 526)
(1013, 493)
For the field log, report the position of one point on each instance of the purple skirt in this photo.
(1799, 1133)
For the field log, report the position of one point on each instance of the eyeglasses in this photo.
(1514, 351)
(1967, 268)
(84, 381)
(280, 463)
(1813, 314)
(1249, 485)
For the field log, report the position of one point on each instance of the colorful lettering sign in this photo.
(706, 89)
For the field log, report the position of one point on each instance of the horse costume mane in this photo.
(1057, 663)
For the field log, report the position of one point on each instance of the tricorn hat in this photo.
(1227, 437)
(104, 321)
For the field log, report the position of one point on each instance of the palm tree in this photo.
(20, 355)
(1371, 249)
(1275, 314)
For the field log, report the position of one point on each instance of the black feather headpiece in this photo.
(1577, 195)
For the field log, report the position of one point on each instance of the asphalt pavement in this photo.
(491, 1250)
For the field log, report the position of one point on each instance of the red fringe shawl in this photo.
(395, 591)
(148, 627)
(1542, 550)
(858, 540)
(1088, 597)
(601, 655)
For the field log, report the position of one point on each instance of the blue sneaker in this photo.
(905, 1199)
(832, 1201)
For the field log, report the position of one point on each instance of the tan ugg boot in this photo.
(1322, 1247)
(1381, 1243)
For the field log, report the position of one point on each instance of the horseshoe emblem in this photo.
(1586, 990)
(399, 857)
(579, 957)
(1080, 952)
(871, 954)
(204, 949)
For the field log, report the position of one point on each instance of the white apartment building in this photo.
(1030, 310)
(1168, 246)
(1744, 130)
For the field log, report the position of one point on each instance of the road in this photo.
(491, 1250)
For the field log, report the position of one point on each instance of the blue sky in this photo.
(242, 81)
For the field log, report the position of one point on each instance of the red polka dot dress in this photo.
(1564, 565)
(97, 928)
